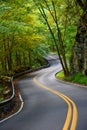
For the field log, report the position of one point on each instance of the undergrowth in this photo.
(76, 78)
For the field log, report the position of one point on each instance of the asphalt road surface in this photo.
(49, 104)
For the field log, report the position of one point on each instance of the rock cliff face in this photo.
(79, 56)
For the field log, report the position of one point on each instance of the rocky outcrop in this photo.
(79, 55)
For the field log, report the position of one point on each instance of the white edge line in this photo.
(21, 107)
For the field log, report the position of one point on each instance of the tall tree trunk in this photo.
(4, 63)
(9, 56)
(79, 55)
(30, 62)
(24, 60)
(17, 59)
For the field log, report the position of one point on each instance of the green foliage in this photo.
(75, 78)
(60, 74)
(79, 78)
(24, 36)
(61, 19)
(21, 36)
(4, 8)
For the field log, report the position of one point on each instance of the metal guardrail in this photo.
(8, 104)
(12, 93)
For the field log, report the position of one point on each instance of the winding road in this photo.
(49, 104)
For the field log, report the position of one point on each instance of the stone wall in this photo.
(79, 55)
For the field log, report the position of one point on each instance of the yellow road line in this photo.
(75, 117)
(69, 102)
(75, 113)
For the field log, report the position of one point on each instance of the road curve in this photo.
(72, 114)
(49, 104)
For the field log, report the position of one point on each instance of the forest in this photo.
(30, 29)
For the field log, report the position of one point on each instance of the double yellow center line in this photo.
(72, 113)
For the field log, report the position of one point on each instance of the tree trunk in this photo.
(30, 62)
(79, 55)
(9, 56)
(24, 60)
(4, 65)
(17, 59)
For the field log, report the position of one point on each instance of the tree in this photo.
(82, 4)
(51, 11)
(79, 54)
(19, 35)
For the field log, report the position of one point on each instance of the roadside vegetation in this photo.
(1, 94)
(78, 78)
(5, 91)
(30, 29)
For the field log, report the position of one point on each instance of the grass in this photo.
(76, 78)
